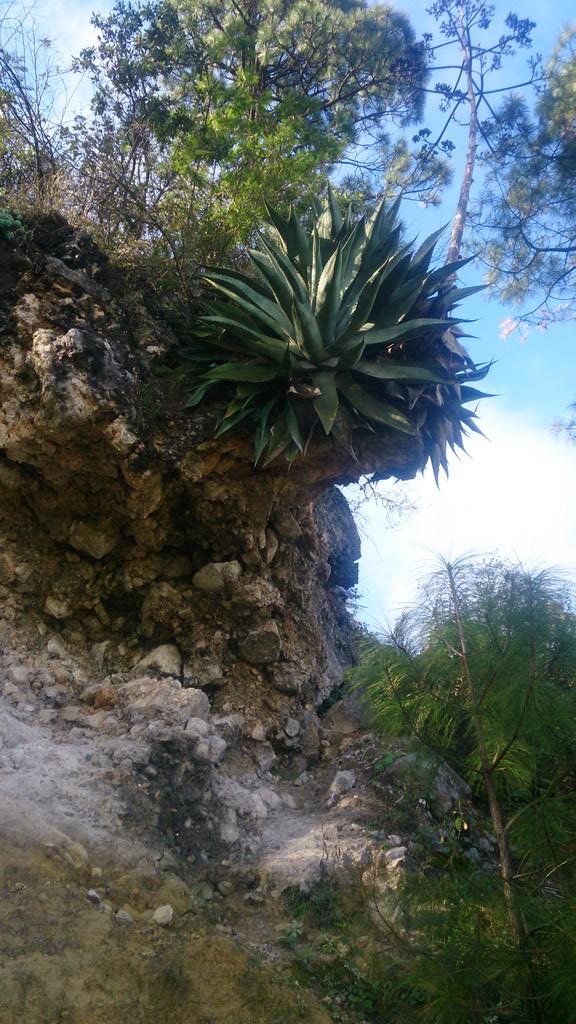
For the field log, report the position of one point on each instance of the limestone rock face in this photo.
(170, 621)
(127, 530)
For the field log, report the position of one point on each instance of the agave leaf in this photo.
(279, 440)
(262, 430)
(223, 308)
(255, 342)
(373, 408)
(390, 309)
(361, 296)
(231, 421)
(468, 418)
(298, 244)
(243, 372)
(316, 266)
(456, 295)
(389, 370)
(352, 352)
(257, 305)
(197, 396)
(312, 343)
(334, 210)
(475, 372)
(328, 297)
(293, 425)
(390, 334)
(279, 225)
(342, 430)
(472, 394)
(437, 278)
(326, 405)
(351, 252)
(275, 278)
(423, 255)
(237, 275)
(283, 263)
(324, 224)
(381, 223)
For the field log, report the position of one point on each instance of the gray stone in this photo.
(264, 756)
(18, 674)
(225, 887)
(162, 702)
(94, 896)
(342, 783)
(472, 855)
(446, 788)
(166, 660)
(95, 541)
(163, 916)
(292, 727)
(57, 607)
(287, 525)
(197, 728)
(123, 917)
(210, 749)
(287, 677)
(216, 576)
(261, 646)
(342, 719)
(395, 855)
(485, 844)
(310, 736)
(229, 833)
(240, 799)
(71, 713)
(231, 725)
(270, 798)
(271, 546)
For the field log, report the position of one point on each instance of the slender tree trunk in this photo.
(531, 1003)
(459, 222)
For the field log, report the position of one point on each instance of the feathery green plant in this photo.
(345, 328)
(483, 671)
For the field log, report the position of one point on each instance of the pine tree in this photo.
(483, 672)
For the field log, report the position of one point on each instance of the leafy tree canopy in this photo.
(250, 101)
(527, 211)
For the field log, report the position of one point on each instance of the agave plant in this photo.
(339, 329)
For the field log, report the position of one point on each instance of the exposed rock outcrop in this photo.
(171, 620)
(126, 528)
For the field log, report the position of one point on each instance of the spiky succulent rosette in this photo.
(341, 329)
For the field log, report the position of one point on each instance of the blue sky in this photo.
(515, 493)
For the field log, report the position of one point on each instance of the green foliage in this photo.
(343, 328)
(11, 224)
(483, 672)
(525, 220)
(203, 112)
(337, 951)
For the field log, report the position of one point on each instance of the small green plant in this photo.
(319, 907)
(11, 224)
(387, 760)
(292, 934)
(342, 329)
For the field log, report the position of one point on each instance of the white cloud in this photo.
(516, 494)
